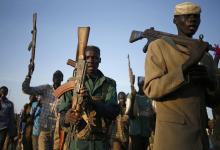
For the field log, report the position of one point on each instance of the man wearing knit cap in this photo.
(177, 79)
(186, 8)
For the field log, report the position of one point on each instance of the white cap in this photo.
(187, 8)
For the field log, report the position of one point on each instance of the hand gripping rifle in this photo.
(152, 35)
(32, 45)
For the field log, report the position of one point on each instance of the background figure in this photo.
(140, 119)
(26, 127)
(59, 133)
(36, 109)
(178, 75)
(120, 126)
(209, 131)
(13, 145)
(7, 120)
(29, 125)
(47, 116)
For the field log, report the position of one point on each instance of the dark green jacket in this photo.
(104, 97)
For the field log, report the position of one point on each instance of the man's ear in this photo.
(100, 60)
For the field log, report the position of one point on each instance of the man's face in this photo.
(187, 25)
(3, 92)
(57, 79)
(122, 99)
(140, 82)
(93, 59)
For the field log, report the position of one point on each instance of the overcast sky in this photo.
(111, 23)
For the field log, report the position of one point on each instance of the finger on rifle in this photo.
(83, 92)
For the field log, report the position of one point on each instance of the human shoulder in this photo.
(161, 42)
(9, 103)
(43, 87)
(110, 81)
(65, 101)
(47, 86)
(155, 47)
(157, 41)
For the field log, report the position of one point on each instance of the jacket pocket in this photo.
(171, 118)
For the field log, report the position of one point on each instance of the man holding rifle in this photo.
(140, 118)
(179, 77)
(46, 92)
(47, 116)
(101, 96)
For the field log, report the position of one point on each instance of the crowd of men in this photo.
(180, 79)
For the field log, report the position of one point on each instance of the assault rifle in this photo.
(80, 65)
(130, 102)
(131, 75)
(152, 35)
(32, 44)
(78, 103)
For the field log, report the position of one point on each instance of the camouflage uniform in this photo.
(102, 90)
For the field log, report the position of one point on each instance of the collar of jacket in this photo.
(93, 86)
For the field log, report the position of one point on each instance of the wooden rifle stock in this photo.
(81, 65)
(68, 86)
(152, 35)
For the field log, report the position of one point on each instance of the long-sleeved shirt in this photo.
(47, 116)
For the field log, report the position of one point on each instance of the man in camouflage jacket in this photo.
(100, 92)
